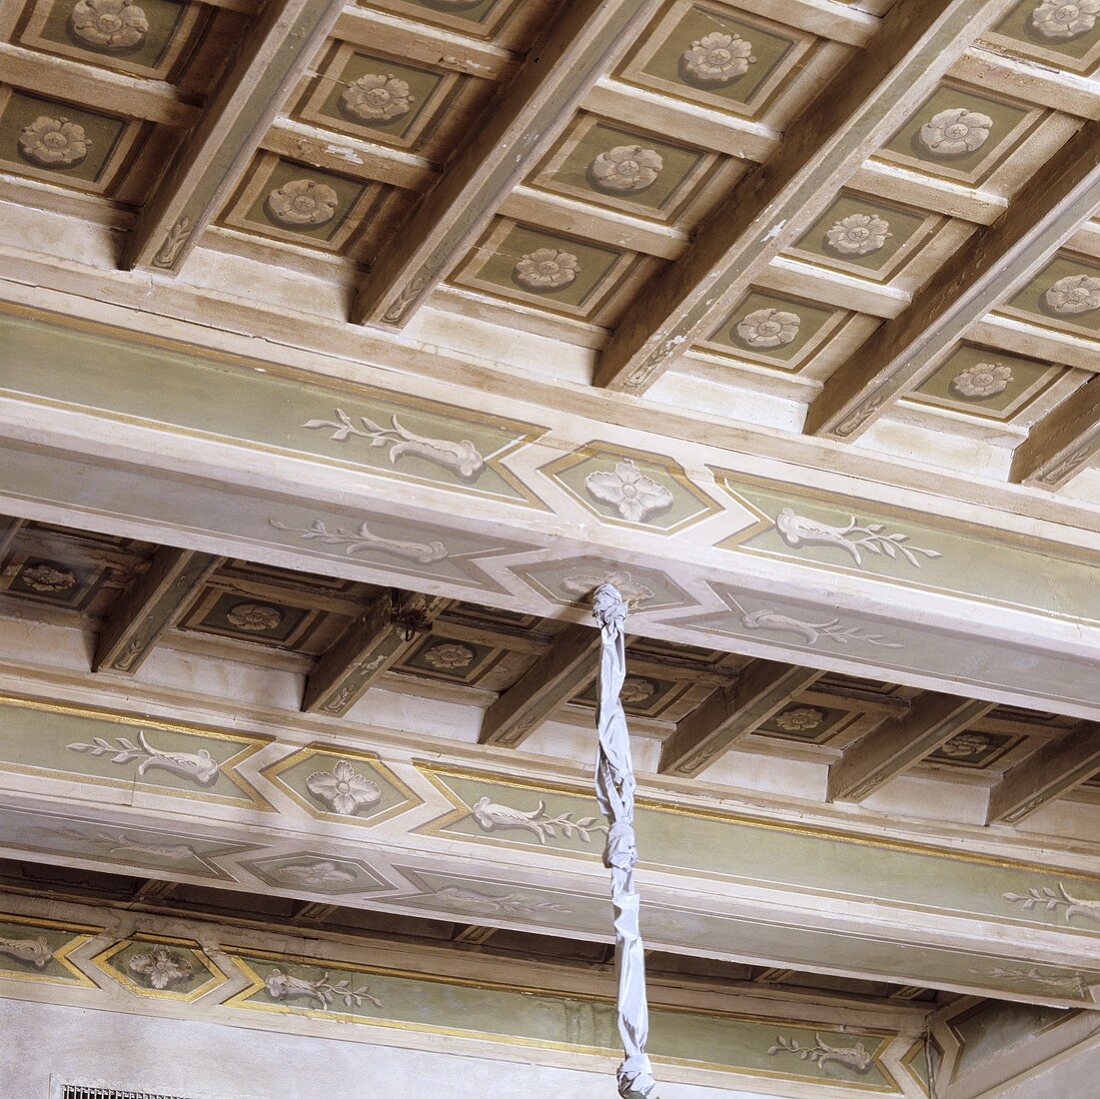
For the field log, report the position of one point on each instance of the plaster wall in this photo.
(200, 1060)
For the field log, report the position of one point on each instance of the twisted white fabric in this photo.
(615, 794)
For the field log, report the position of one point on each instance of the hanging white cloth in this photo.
(615, 794)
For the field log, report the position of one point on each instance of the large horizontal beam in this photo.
(470, 496)
(119, 781)
(991, 266)
(774, 205)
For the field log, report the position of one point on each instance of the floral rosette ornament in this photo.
(800, 720)
(54, 142)
(718, 58)
(109, 24)
(255, 617)
(982, 380)
(767, 328)
(343, 789)
(955, 132)
(1074, 294)
(965, 745)
(547, 269)
(303, 202)
(626, 168)
(631, 492)
(450, 657)
(377, 98)
(858, 234)
(1054, 19)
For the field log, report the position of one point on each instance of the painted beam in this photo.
(275, 52)
(373, 643)
(990, 267)
(441, 826)
(1062, 443)
(895, 746)
(587, 40)
(236, 459)
(143, 613)
(569, 666)
(773, 205)
(1052, 771)
(731, 713)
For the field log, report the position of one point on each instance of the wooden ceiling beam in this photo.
(370, 645)
(413, 40)
(349, 155)
(569, 666)
(1047, 774)
(1062, 443)
(775, 204)
(731, 713)
(892, 748)
(586, 40)
(155, 599)
(990, 267)
(138, 97)
(276, 51)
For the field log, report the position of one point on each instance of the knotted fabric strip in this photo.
(615, 794)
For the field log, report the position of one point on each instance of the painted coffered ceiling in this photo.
(346, 348)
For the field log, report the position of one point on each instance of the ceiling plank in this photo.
(569, 666)
(587, 39)
(143, 613)
(1062, 443)
(138, 97)
(1052, 771)
(731, 713)
(210, 163)
(992, 265)
(885, 752)
(371, 645)
(775, 204)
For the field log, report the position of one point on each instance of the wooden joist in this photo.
(894, 747)
(210, 163)
(1052, 771)
(151, 605)
(1063, 442)
(587, 39)
(570, 665)
(731, 713)
(372, 644)
(991, 266)
(776, 203)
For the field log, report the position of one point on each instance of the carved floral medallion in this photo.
(858, 234)
(110, 24)
(982, 380)
(547, 269)
(626, 168)
(54, 142)
(955, 132)
(377, 98)
(718, 58)
(303, 202)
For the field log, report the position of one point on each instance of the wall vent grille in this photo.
(77, 1091)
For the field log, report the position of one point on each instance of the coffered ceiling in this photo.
(861, 222)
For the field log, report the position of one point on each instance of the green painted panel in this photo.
(723, 1041)
(819, 863)
(170, 387)
(1002, 571)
